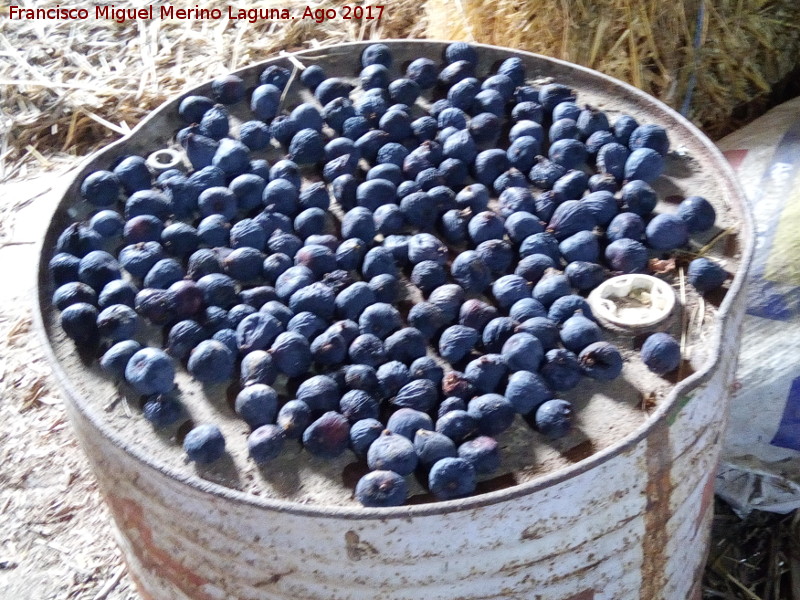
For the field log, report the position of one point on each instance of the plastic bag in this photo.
(760, 462)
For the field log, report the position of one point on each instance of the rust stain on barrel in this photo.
(357, 549)
(130, 519)
(140, 589)
(706, 501)
(273, 579)
(657, 514)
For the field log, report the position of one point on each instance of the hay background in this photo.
(68, 88)
(706, 58)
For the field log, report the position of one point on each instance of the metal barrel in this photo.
(628, 522)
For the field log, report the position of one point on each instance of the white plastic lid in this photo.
(632, 301)
(164, 159)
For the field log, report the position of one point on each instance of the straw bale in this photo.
(67, 87)
(703, 57)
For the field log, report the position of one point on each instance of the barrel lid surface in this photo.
(695, 167)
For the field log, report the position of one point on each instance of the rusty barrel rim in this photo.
(659, 418)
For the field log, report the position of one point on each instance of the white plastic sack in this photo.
(760, 466)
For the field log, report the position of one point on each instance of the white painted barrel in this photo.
(628, 522)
